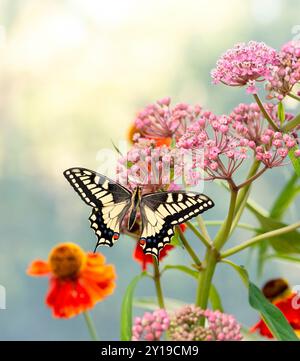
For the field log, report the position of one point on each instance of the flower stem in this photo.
(294, 96)
(90, 325)
(261, 237)
(189, 249)
(212, 255)
(224, 231)
(203, 228)
(198, 234)
(265, 113)
(251, 179)
(292, 124)
(244, 194)
(156, 278)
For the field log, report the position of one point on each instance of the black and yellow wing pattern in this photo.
(162, 211)
(109, 201)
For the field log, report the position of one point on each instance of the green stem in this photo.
(212, 255)
(244, 190)
(247, 226)
(292, 124)
(224, 231)
(294, 96)
(198, 234)
(156, 278)
(251, 179)
(265, 113)
(205, 278)
(90, 325)
(244, 194)
(189, 249)
(202, 227)
(261, 237)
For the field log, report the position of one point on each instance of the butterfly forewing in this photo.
(110, 202)
(162, 211)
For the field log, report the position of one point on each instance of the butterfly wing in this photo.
(109, 200)
(162, 211)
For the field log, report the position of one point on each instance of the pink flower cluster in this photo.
(160, 120)
(184, 325)
(146, 164)
(274, 148)
(286, 73)
(245, 64)
(151, 326)
(222, 152)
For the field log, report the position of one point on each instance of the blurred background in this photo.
(73, 74)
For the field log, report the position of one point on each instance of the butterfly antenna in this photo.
(116, 148)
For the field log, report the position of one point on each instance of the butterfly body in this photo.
(134, 206)
(110, 201)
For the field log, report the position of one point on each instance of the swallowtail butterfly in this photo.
(110, 201)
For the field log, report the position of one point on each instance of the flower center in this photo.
(66, 260)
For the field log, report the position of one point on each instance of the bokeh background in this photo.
(73, 74)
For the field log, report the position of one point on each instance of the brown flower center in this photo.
(66, 260)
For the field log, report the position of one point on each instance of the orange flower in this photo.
(78, 280)
(159, 141)
(279, 293)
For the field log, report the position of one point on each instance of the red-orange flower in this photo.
(78, 280)
(279, 293)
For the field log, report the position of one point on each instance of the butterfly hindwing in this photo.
(162, 211)
(106, 223)
(110, 202)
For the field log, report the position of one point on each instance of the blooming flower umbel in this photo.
(286, 73)
(222, 153)
(151, 326)
(244, 64)
(161, 121)
(184, 325)
(78, 280)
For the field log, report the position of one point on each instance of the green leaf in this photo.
(262, 251)
(240, 270)
(281, 113)
(284, 243)
(215, 299)
(295, 161)
(284, 257)
(150, 303)
(273, 317)
(181, 268)
(176, 240)
(285, 198)
(126, 308)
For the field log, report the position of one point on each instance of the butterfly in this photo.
(110, 201)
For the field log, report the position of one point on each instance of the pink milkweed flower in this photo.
(245, 64)
(248, 121)
(222, 152)
(161, 121)
(274, 148)
(286, 73)
(184, 325)
(151, 326)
